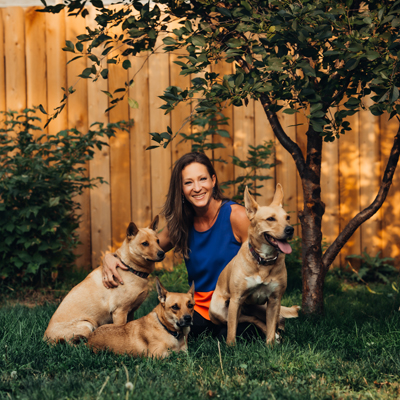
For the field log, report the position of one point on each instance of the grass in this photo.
(352, 352)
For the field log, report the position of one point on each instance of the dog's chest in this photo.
(259, 290)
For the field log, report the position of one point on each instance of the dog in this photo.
(157, 334)
(90, 305)
(251, 286)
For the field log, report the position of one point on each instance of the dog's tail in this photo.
(289, 312)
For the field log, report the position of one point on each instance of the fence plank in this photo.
(78, 118)
(140, 140)
(14, 44)
(121, 201)
(225, 172)
(391, 207)
(181, 113)
(349, 180)
(263, 133)
(244, 132)
(2, 69)
(100, 196)
(370, 179)
(35, 37)
(56, 60)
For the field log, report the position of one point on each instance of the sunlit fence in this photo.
(35, 69)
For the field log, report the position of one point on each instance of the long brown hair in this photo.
(179, 215)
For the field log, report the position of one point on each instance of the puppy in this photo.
(251, 286)
(89, 304)
(164, 330)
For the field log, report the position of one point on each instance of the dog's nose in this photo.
(187, 318)
(289, 230)
(160, 254)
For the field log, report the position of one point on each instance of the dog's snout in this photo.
(187, 318)
(289, 230)
(160, 254)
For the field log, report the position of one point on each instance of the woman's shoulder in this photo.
(239, 221)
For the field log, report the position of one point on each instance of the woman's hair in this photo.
(179, 214)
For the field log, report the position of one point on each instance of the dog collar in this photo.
(259, 259)
(140, 274)
(175, 334)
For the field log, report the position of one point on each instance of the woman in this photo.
(202, 225)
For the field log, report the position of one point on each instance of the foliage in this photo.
(353, 352)
(40, 175)
(314, 55)
(374, 269)
(252, 170)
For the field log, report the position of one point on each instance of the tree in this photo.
(320, 57)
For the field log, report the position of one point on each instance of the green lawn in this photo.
(352, 352)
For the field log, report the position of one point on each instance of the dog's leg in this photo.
(233, 315)
(272, 314)
(253, 320)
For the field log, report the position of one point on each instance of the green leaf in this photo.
(126, 64)
(133, 103)
(169, 40)
(199, 41)
(290, 111)
(239, 80)
(54, 201)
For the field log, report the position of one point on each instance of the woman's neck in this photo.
(206, 216)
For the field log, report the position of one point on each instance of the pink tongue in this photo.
(284, 247)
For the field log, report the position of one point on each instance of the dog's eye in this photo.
(175, 307)
(190, 305)
(288, 218)
(271, 219)
(158, 242)
(145, 244)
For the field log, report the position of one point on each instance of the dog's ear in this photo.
(250, 204)
(162, 292)
(132, 230)
(191, 290)
(278, 196)
(154, 224)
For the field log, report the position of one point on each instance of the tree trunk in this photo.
(311, 220)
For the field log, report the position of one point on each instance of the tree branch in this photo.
(369, 211)
(291, 146)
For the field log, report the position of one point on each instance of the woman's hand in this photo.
(111, 277)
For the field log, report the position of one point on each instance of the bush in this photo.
(40, 175)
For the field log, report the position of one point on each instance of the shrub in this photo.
(40, 175)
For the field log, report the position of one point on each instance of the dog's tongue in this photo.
(284, 247)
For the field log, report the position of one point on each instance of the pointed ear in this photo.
(162, 292)
(191, 290)
(154, 224)
(132, 230)
(278, 196)
(250, 204)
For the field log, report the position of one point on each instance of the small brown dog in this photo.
(164, 330)
(90, 305)
(251, 286)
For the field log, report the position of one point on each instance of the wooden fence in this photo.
(35, 68)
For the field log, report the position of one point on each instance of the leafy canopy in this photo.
(307, 56)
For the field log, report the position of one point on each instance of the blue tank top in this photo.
(211, 251)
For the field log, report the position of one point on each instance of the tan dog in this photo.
(89, 304)
(256, 278)
(164, 330)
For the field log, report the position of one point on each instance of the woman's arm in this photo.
(165, 242)
(240, 223)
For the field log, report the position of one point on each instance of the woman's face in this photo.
(197, 184)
